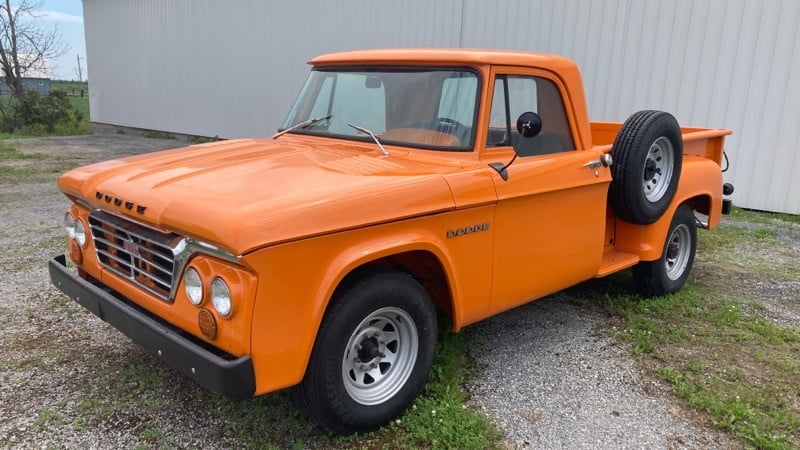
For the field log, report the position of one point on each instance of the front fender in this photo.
(297, 280)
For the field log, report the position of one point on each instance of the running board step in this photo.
(614, 261)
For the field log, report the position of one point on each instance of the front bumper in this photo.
(232, 378)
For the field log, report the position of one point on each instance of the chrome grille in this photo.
(142, 255)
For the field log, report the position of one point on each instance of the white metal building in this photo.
(232, 68)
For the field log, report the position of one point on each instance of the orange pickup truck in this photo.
(405, 189)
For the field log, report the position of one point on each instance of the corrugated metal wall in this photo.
(232, 68)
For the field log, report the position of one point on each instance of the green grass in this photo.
(754, 243)
(72, 88)
(49, 418)
(152, 134)
(17, 167)
(712, 344)
(9, 153)
(32, 174)
(203, 139)
(81, 104)
(763, 217)
(439, 418)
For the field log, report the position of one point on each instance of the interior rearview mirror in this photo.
(372, 82)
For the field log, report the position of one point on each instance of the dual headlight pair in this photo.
(220, 293)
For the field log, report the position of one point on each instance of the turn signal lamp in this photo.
(207, 323)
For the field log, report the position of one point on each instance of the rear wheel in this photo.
(668, 273)
(372, 356)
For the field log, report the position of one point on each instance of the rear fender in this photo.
(700, 184)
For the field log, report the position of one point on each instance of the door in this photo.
(551, 212)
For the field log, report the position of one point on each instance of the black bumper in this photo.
(232, 378)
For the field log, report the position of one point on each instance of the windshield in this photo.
(427, 108)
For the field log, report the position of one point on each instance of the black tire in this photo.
(648, 155)
(668, 273)
(372, 355)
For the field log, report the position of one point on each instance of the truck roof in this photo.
(448, 56)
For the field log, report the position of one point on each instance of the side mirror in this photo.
(529, 125)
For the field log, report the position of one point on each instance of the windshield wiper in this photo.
(372, 135)
(303, 124)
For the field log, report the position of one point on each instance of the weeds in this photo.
(712, 345)
(153, 134)
(203, 139)
(9, 153)
(440, 418)
(18, 167)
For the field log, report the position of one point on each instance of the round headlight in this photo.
(193, 286)
(80, 233)
(69, 226)
(221, 297)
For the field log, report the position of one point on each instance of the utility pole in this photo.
(80, 73)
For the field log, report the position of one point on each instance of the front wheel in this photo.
(372, 356)
(668, 273)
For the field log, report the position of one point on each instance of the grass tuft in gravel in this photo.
(8, 153)
(18, 167)
(711, 341)
(439, 418)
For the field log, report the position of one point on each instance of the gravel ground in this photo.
(545, 372)
(551, 379)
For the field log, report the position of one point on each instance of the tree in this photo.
(24, 44)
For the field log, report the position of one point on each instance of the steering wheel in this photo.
(450, 126)
(445, 122)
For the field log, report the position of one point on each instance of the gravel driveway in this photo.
(545, 372)
(549, 376)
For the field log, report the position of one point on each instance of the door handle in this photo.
(605, 161)
(593, 164)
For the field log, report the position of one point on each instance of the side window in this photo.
(522, 96)
(499, 131)
(514, 95)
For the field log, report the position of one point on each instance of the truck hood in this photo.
(245, 194)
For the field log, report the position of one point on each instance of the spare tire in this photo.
(648, 154)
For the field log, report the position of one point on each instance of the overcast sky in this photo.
(67, 15)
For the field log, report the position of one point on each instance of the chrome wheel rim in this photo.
(677, 252)
(380, 356)
(657, 171)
